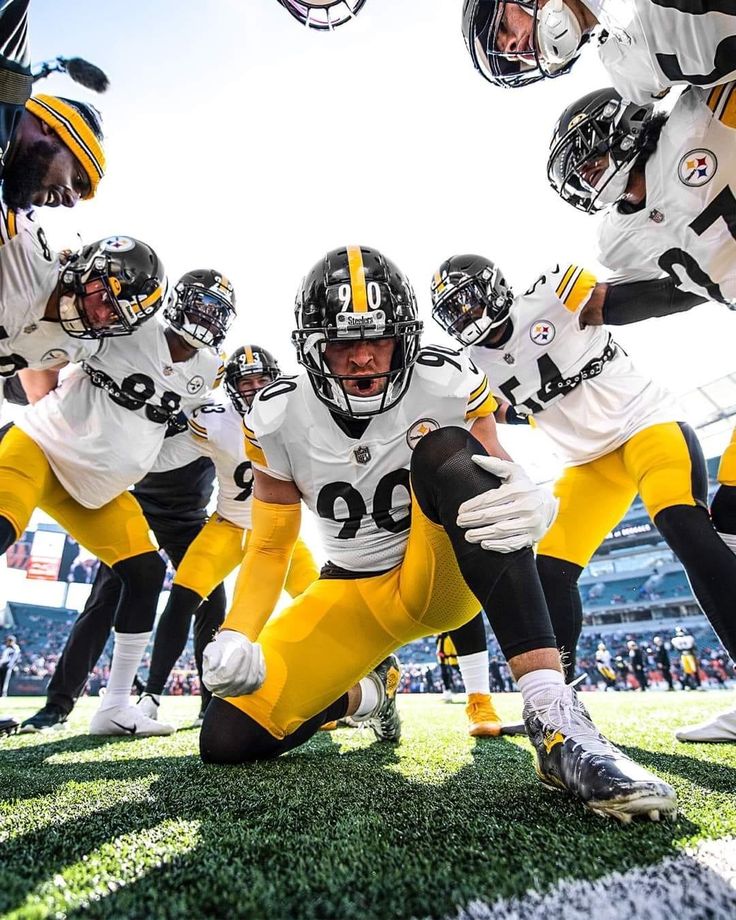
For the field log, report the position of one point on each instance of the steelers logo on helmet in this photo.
(350, 302)
(248, 370)
(109, 288)
(323, 15)
(118, 244)
(470, 298)
(201, 308)
(697, 167)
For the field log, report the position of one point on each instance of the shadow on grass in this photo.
(323, 832)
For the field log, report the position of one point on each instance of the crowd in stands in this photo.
(41, 637)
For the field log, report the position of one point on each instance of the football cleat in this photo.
(448, 696)
(148, 704)
(572, 755)
(51, 717)
(328, 726)
(385, 722)
(127, 720)
(8, 725)
(483, 720)
(720, 729)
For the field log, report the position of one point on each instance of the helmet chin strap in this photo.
(558, 33)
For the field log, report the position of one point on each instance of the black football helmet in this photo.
(325, 15)
(356, 293)
(470, 298)
(599, 125)
(128, 276)
(201, 308)
(246, 363)
(554, 41)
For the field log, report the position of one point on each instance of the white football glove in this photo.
(516, 514)
(232, 665)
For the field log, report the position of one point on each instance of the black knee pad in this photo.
(8, 535)
(229, 736)
(443, 474)
(723, 510)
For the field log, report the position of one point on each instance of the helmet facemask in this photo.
(323, 16)
(470, 306)
(96, 276)
(606, 130)
(554, 42)
(247, 364)
(201, 308)
(331, 388)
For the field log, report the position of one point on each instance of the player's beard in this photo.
(25, 174)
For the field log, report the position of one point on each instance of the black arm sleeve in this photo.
(633, 301)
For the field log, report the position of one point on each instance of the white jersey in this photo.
(687, 228)
(654, 44)
(581, 387)
(104, 427)
(359, 487)
(219, 432)
(29, 272)
(683, 643)
(178, 450)
(603, 658)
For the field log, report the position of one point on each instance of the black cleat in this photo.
(8, 725)
(50, 717)
(572, 755)
(385, 722)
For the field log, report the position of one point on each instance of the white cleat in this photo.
(127, 720)
(721, 728)
(148, 705)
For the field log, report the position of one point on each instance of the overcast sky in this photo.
(239, 140)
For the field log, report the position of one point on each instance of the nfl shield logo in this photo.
(362, 454)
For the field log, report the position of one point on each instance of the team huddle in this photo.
(393, 444)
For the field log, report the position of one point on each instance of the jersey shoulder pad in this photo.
(271, 406)
(569, 285)
(443, 371)
(202, 420)
(8, 224)
(721, 100)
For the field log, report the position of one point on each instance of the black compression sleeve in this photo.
(634, 301)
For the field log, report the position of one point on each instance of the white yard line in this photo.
(698, 885)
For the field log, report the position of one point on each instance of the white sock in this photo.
(545, 679)
(368, 700)
(730, 540)
(474, 669)
(126, 658)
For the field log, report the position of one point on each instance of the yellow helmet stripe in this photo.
(357, 279)
(249, 354)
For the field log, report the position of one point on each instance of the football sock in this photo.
(129, 649)
(544, 679)
(368, 700)
(474, 669)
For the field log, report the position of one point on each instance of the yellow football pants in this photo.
(116, 531)
(219, 548)
(689, 663)
(727, 466)
(339, 629)
(655, 462)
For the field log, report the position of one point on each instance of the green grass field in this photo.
(343, 827)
